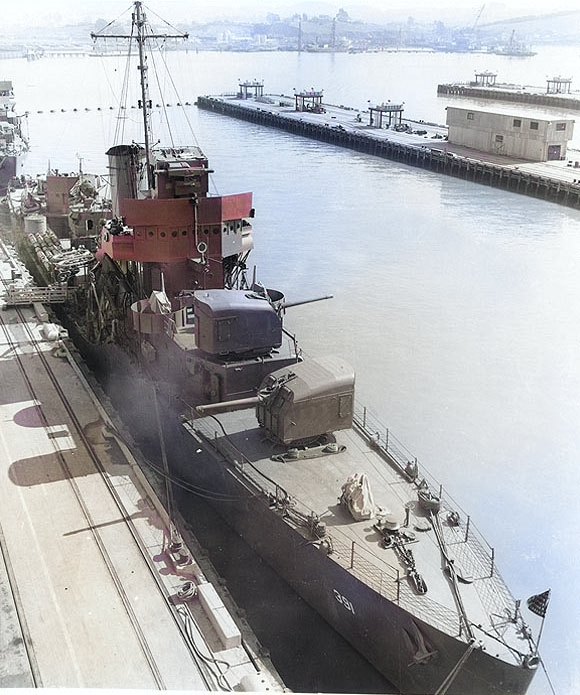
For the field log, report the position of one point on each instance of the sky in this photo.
(51, 12)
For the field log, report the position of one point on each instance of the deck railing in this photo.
(469, 549)
(468, 546)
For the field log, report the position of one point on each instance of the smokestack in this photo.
(125, 163)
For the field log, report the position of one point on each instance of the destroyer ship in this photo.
(276, 440)
(13, 145)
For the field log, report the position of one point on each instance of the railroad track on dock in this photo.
(26, 366)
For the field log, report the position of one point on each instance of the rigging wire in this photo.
(161, 91)
(164, 21)
(180, 482)
(183, 110)
(114, 21)
(121, 117)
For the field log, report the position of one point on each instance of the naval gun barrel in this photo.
(287, 305)
(225, 406)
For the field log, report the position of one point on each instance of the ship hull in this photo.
(395, 642)
(409, 652)
(9, 169)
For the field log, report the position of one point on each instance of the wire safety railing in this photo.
(466, 545)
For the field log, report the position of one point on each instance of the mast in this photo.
(139, 23)
(139, 20)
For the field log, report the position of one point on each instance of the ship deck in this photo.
(315, 487)
(89, 585)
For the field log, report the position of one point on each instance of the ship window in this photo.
(534, 125)
(560, 126)
(163, 235)
(174, 233)
(470, 115)
(151, 233)
(216, 230)
(90, 222)
(206, 230)
(184, 232)
(499, 138)
(517, 122)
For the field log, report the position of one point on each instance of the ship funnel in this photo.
(125, 164)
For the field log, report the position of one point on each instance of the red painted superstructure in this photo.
(176, 229)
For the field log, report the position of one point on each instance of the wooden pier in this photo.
(550, 181)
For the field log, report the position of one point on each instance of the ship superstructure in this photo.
(13, 145)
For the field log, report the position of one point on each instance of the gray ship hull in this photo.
(406, 650)
(9, 169)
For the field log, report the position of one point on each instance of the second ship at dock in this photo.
(310, 479)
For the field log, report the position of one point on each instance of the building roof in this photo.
(518, 111)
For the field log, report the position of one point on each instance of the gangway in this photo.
(21, 296)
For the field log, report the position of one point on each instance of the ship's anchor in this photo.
(397, 540)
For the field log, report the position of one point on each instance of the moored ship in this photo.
(349, 518)
(13, 145)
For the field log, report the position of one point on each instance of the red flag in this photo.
(538, 604)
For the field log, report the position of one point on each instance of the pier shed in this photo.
(485, 79)
(526, 136)
(394, 113)
(249, 88)
(309, 100)
(559, 85)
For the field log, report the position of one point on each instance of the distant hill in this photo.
(557, 27)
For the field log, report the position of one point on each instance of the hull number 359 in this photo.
(343, 601)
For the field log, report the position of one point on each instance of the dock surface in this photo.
(93, 592)
(419, 144)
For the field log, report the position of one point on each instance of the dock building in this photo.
(514, 135)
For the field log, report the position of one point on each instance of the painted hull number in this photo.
(344, 601)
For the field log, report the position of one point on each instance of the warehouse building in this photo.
(524, 136)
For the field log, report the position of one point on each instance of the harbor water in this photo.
(457, 304)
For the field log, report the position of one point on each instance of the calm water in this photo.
(458, 305)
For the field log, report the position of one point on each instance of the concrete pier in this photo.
(424, 145)
(518, 96)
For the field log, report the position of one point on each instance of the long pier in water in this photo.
(338, 125)
(520, 96)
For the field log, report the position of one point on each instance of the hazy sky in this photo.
(49, 12)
